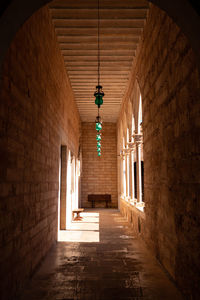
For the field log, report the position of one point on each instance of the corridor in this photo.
(99, 107)
(116, 267)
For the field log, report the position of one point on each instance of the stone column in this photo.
(130, 175)
(138, 142)
(121, 173)
(131, 170)
(69, 189)
(127, 174)
(124, 175)
(132, 183)
(63, 188)
(76, 183)
(73, 178)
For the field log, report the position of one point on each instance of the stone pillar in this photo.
(130, 175)
(127, 174)
(63, 188)
(138, 142)
(69, 190)
(131, 146)
(76, 183)
(124, 175)
(132, 184)
(121, 174)
(73, 178)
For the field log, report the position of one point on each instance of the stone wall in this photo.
(167, 74)
(99, 174)
(134, 216)
(37, 115)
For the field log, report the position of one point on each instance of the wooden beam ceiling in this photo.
(121, 26)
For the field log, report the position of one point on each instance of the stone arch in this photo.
(124, 126)
(135, 99)
(129, 113)
(120, 135)
(133, 124)
(140, 113)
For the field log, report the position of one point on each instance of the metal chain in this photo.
(98, 47)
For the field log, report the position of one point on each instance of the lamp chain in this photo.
(98, 47)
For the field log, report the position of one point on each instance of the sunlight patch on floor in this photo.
(82, 230)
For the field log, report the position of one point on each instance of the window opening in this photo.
(135, 179)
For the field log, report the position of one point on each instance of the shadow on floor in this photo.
(117, 266)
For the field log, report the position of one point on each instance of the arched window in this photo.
(127, 167)
(132, 127)
(139, 153)
(140, 115)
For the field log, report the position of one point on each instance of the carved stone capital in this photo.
(126, 151)
(122, 155)
(138, 138)
(131, 146)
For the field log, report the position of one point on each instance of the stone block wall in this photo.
(99, 174)
(168, 77)
(134, 216)
(37, 115)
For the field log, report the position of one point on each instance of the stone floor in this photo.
(110, 264)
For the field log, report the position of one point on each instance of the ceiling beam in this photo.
(62, 38)
(88, 23)
(91, 4)
(95, 63)
(121, 26)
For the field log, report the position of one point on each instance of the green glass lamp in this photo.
(99, 154)
(99, 96)
(98, 126)
(98, 138)
(98, 144)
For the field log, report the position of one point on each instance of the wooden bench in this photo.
(77, 211)
(99, 198)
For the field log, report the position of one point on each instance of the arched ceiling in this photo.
(76, 26)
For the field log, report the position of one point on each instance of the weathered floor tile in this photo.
(118, 267)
